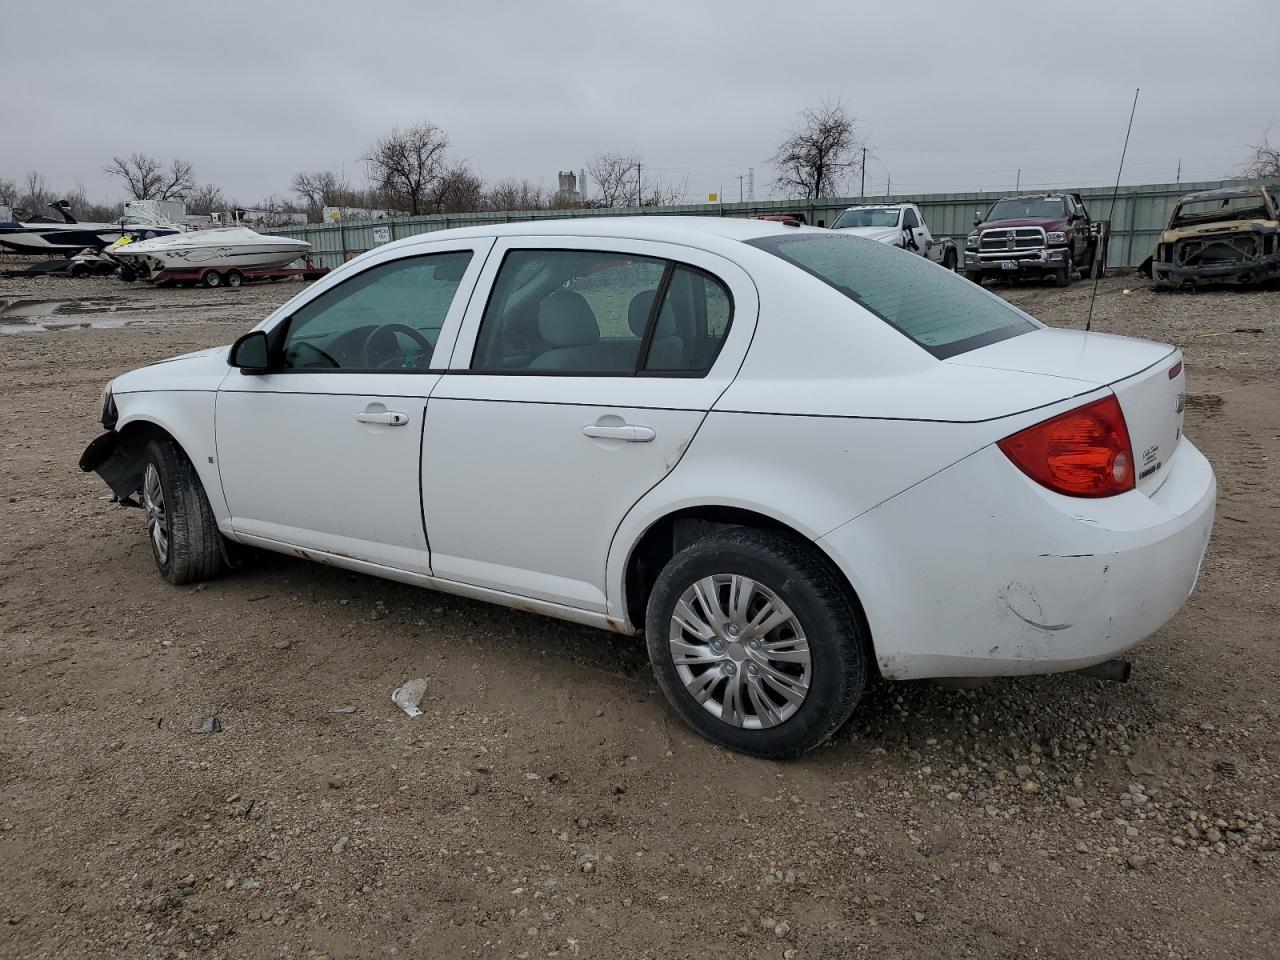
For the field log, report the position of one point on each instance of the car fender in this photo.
(188, 417)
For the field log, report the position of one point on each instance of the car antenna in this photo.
(1097, 273)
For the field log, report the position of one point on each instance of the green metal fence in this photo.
(1139, 215)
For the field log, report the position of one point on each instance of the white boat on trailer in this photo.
(226, 253)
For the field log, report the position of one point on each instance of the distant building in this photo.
(571, 188)
(338, 214)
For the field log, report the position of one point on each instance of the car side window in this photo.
(691, 327)
(593, 313)
(909, 219)
(568, 311)
(387, 317)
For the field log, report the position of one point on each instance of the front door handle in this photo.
(388, 418)
(626, 432)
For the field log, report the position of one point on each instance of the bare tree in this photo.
(658, 193)
(146, 178)
(458, 190)
(514, 194)
(1265, 162)
(35, 195)
(615, 178)
(8, 193)
(206, 199)
(320, 190)
(815, 159)
(405, 165)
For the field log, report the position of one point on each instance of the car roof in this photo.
(668, 228)
(693, 229)
(1227, 193)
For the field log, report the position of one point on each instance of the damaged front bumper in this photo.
(1244, 257)
(117, 459)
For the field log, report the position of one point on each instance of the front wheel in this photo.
(184, 536)
(211, 278)
(974, 276)
(1063, 276)
(756, 642)
(234, 278)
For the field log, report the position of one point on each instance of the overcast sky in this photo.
(950, 96)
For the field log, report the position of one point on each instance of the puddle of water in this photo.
(33, 315)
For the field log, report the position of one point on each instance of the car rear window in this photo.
(937, 309)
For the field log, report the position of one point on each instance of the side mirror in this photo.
(251, 353)
(977, 218)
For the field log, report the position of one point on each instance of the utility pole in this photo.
(1179, 180)
(751, 184)
(639, 198)
(863, 191)
(739, 188)
(888, 183)
(1018, 186)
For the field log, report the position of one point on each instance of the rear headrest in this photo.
(565, 320)
(638, 315)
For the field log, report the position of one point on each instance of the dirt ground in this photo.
(548, 804)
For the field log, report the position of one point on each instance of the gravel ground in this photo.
(548, 804)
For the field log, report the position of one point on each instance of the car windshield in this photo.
(1247, 207)
(1027, 208)
(942, 312)
(867, 217)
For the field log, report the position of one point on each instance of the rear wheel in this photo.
(184, 536)
(756, 642)
(211, 278)
(233, 278)
(949, 259)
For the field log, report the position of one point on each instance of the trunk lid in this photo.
(1147, 378)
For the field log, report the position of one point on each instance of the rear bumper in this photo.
(979, 571)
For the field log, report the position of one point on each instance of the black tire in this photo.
(803, 580)
(1063, 276)
(1086, 272)
(974, 276)
(233, 278)
(194, 548)
(211, 278)
(949, 259)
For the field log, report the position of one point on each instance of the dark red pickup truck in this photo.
(1041, 234)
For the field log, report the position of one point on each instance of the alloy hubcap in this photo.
(157, 519)
(740, 651)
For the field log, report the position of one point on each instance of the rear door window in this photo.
(595, 313)
(937, 309)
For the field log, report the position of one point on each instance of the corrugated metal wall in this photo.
(1140, 214)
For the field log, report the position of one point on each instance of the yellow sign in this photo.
(712, 197)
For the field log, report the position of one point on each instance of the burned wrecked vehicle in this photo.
(1220, 236)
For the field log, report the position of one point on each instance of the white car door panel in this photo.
(326, 453)
(533, 504)
(527, 473)
(301, 466)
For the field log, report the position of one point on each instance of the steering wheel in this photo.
(380, 347)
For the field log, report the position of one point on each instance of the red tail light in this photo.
(1082, 453)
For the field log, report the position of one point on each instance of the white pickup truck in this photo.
(900, 225)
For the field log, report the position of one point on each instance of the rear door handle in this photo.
(388, 418)
(626, 432)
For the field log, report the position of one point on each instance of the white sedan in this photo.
(791, 459)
